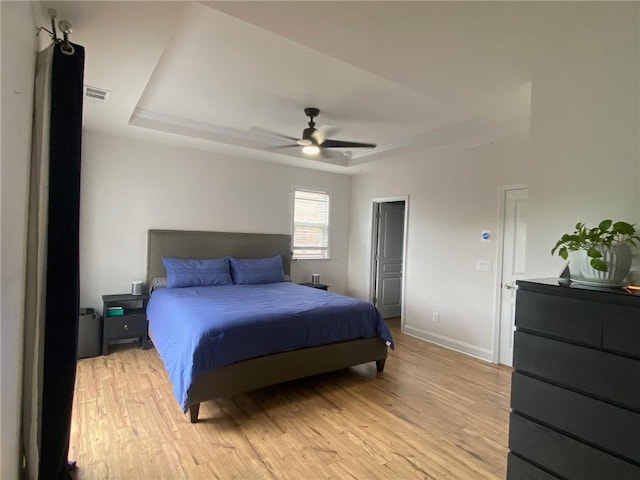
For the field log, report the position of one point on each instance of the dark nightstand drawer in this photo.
(130, 320)
(126, 326)
(565, 456)
(600, 374)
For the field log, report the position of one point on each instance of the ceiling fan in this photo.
(313, 140)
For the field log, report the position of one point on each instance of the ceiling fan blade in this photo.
(317, 137)
(280, 147)
(271, 133)
(325, 131)
(345, 144)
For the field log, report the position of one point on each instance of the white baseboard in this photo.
(451, 343)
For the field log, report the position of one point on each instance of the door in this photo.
(389, 258)
(513, 266)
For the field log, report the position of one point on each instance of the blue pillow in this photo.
(257, 270)
(187, 272)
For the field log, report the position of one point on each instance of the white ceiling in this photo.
(404, 75)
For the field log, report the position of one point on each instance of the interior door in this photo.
(513, 266)
(389, 258)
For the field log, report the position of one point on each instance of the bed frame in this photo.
(262, 371)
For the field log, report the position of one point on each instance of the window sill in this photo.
(310, 259)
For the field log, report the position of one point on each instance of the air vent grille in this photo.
(96, 95)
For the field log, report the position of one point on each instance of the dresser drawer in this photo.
(622, 332)
(596, 422)
(600, 374)
(125, 326)
(569, 318)
(518, 469)
(566, 457)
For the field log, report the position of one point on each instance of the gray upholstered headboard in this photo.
(192, 244)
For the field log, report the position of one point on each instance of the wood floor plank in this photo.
(432, 414)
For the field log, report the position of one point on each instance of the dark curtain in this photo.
(62, 270)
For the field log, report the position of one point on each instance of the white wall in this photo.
(130, 186)
(584, 166)
(585, 140)
(453, 196)
(18, 62)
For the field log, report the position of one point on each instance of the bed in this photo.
(277, 320)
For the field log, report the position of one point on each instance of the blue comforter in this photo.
(196, 329)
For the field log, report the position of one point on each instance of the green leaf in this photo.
(604, 225)
(599, 265)
(624, 228)
(594, 253)
(563, 253)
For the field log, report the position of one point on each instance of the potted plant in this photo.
(603, 252)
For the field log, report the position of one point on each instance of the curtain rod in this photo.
(65, 28)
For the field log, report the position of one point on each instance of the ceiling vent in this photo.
(96, 95)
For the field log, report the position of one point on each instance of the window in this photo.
(310, 224)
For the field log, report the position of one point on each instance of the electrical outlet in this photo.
(436, 317)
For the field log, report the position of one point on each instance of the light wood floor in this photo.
(433, 414)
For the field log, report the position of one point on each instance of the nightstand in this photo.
(319, 286)
(124, 317)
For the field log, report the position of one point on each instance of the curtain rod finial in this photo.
(65, 27)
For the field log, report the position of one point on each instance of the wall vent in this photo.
(96, 95)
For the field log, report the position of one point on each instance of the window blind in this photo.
(310, 224)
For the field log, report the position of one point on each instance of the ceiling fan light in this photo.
(311, 149)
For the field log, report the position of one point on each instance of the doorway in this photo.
(387, 259)
(512, 254)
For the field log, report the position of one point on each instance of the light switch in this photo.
(483, 265)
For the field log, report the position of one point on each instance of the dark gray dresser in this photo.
(575, 396)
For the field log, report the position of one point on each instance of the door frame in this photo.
(502, 201)
(373, 228)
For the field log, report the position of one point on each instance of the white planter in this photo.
(618, 260)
